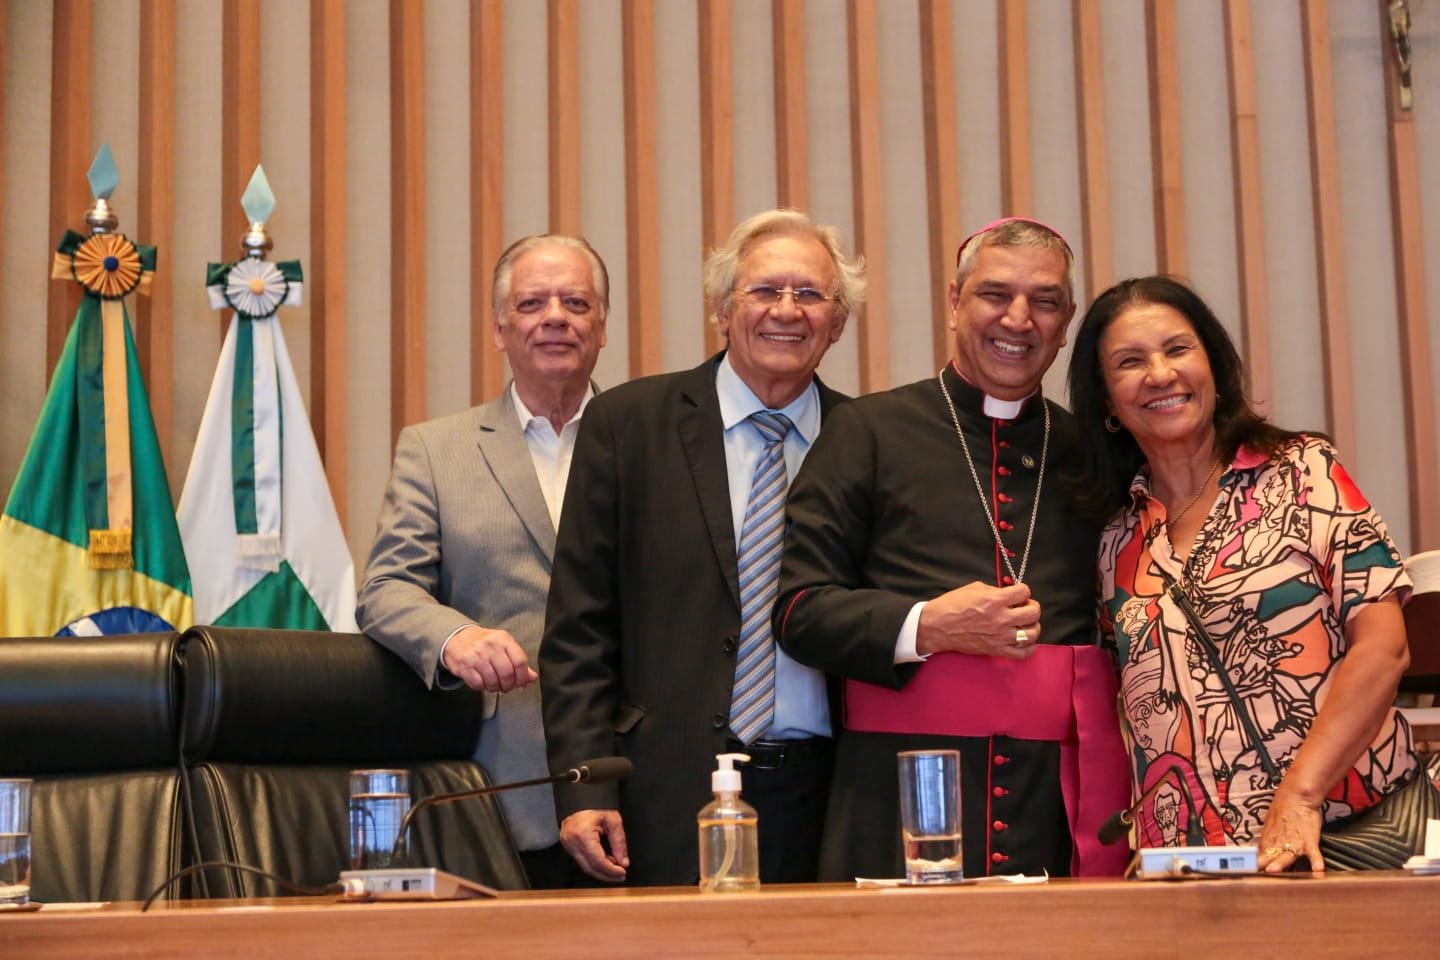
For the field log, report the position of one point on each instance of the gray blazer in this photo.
(464, 537)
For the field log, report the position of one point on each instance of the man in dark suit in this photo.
(458, 575)
(655, 645)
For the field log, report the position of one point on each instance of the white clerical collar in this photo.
(998, 409)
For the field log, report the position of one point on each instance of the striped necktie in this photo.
(752, 707)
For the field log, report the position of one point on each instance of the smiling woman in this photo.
(1284, 594)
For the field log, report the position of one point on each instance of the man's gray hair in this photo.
(722, 266)
(1016, 233)
(505, 266)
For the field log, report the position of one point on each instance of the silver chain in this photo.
(985, 502)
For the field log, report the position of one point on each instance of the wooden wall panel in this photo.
(1329, 228)
(487, 190)
(407, 214)
(1017, 195)
(4, 61)
(1164, 66)
(792, 153)
(154, 314)
(564, 74)
(1415, 364)
(642, 203)
(240, 136)
(70, 155)
(717, 139)
(865, 154)
(942, 162)
(327, 270)
(1098, 245)
(1249, 215)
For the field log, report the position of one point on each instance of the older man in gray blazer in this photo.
(457, 578)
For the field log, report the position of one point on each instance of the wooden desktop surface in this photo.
(1340, 915)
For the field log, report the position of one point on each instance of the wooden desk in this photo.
(1377, 915)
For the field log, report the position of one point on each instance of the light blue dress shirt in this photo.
(801, 707)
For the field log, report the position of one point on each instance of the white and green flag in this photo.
(261, 534)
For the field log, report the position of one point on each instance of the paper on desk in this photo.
(1009, 879)
(1430, 863)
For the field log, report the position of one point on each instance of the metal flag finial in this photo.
(258, 201)
(104, 178)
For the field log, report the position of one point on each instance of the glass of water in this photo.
(15, 842)
(379, 800)
(930, 815)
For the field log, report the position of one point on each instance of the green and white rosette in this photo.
(255, 289)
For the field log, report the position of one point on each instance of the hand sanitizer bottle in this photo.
(729, 833)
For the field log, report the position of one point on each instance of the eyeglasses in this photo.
(804, 297)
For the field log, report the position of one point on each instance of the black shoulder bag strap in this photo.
(1177, 593)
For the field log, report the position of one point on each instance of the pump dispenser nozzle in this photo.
(726, 779)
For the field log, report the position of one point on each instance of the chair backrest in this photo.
(94, 721)
(1422, 623)
(275, 720)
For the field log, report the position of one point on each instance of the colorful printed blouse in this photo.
(1289, 552)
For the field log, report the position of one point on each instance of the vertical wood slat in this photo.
(1415, 366)
(240, 133)
(1329, 228)
(642, 203)
(717, 139)
(1017, 195)
(792, 152)
(407, 213)
(1096, 236)
(869, 202)
(70, 155)
(942, 161)
(1164, 69)
(564, 74)
(327, 274)
(4, 62)
(154, 314)
(487, 190)
(1249, 220)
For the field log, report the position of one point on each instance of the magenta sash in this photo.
(1060, 694)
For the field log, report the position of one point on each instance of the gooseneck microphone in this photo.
(597, 770)
(1120, 822)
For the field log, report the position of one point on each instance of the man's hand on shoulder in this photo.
(488, 660)
(981, 619)
(586, 834)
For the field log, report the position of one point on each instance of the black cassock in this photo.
(884, 514)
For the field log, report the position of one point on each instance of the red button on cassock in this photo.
(1005, 499)
(998, 858)
(1003, 471)
(1000, 792)
(1007, 580)
(1000, 760)
(999, 825)
(1005, 525)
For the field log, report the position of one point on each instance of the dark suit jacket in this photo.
(638, 656)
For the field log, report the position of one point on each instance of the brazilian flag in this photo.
(88, 540)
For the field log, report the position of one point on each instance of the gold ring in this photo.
(1289, 849)
(1021, 637)
(1272, 851)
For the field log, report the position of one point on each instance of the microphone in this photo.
(596, 770)
(1120, 822)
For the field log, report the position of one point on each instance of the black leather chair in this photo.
(274, 721)
(93, 720)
